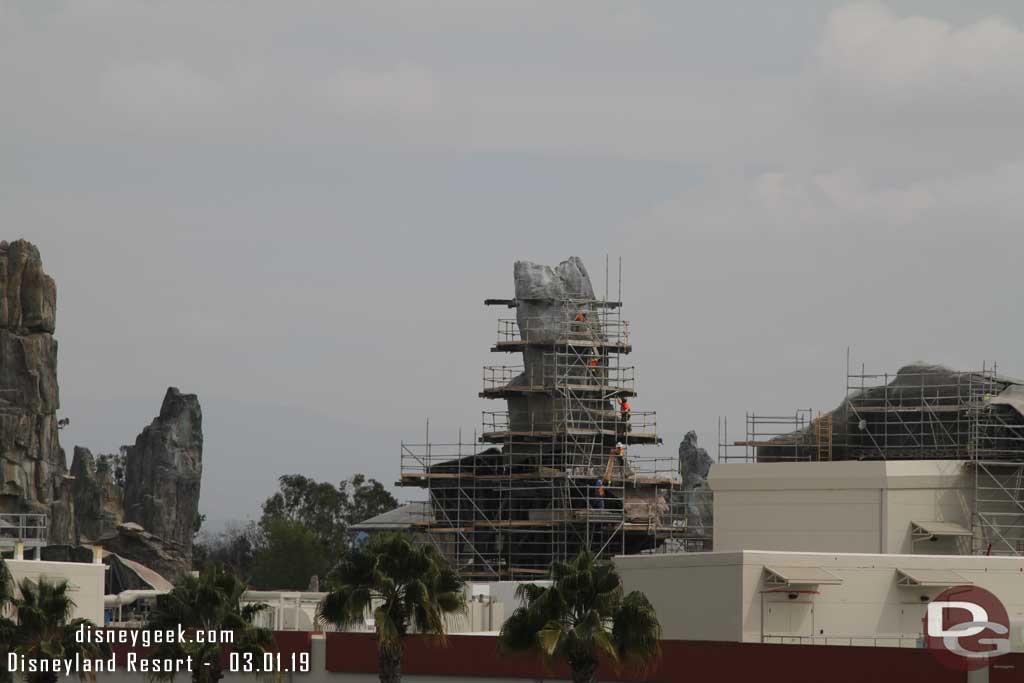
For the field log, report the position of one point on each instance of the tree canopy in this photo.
(208, 602)
(303, 531)
(583, 616)
(406, 587)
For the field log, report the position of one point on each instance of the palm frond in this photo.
(582, 617)
(637, 632)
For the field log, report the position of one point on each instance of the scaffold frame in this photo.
(557, 470)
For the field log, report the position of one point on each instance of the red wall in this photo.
(287, 643)
(683, 661)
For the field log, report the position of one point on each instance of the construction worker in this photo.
(624, 408)
(579, 326)
(620, 450)
(598, 502)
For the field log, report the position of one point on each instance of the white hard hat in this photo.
(619, 445)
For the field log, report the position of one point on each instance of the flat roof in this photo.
(838, 474)
(825, 560)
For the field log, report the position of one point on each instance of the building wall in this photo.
(849, 507)
(85, 582)
(932, 504)
(351, 658)
(477, 658)
(801, 520)
(697, 598)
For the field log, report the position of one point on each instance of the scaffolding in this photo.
(561, 472)
(919, 413)
(803, 436)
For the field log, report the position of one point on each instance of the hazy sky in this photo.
(296, 209)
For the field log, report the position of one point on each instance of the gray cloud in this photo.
(296, 209)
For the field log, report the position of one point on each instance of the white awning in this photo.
(930, 578)
(800, 576)
(925, 531)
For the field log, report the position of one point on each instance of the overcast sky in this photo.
(296, 209)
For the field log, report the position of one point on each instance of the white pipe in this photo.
(306, 596)
(129, 597)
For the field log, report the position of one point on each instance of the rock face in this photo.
(98, 493)
(143, 503)
(694, 466)
(163, 471)
(155, 485)
(543, 314)
(540, 291)
(694, 461)
(920, 413)
(131, 541)
(35, 477)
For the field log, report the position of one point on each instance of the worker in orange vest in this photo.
(624, 408)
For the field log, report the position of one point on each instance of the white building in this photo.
(831, 553)
(85, 582)
(878, 506)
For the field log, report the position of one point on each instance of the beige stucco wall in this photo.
(696, 596)
(85, 582)
(850, 507)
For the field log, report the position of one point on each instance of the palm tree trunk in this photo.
(584, 671)
(206, 674)
(389, 663)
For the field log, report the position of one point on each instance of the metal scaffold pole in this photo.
(559, 469)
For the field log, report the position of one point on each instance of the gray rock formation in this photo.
(694, 462)
(541, 292)
(35, 477)
(548, 301)
(694, 466)
(161, 474)
(98, 493)
(163, 471)
(169, 559)
(913, 415)
(143, 503)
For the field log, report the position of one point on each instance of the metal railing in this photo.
(498, 376)
(847, 641)
(29, 528)
(604, 329)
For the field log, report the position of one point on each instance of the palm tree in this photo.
(408, 587)
(45, 629)
(209, 602)
(581, 617)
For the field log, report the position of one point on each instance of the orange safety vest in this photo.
(625, 406)
(580, 317)
(593, 362)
